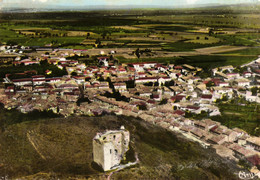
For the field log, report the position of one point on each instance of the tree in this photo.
(130, 84)
(210, 84)
(164, 101)
(53, 42)
(44, 62)
(74, 73)
(98, 42)
(224, 97)
(104, 35)
(111, 57)
(88, 35)
(211, 32)
(11, 42)
(148, 84)
(225, 71)
(254, 91)
(171, 83)
(142, 107)
(137, 53)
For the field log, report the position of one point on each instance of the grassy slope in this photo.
(66, 148)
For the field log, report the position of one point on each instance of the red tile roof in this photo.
(178, 67)
(193, 107)
(178, 97)
(179, 112)
(255, 159)
(206, 96)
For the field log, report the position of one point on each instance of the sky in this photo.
(82, 3)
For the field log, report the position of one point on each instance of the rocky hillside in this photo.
(62, 148)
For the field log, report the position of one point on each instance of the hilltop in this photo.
(62, 147)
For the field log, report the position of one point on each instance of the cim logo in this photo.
(246, 175)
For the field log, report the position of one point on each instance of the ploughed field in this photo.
(54, 148)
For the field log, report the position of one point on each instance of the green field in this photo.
(209, 62)
(186, 46)
(201, 39)
(204, 61)
(250, 51)
(171, 30)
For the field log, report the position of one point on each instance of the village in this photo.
(155, 92)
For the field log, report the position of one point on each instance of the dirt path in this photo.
(219, 49)
(233, 113)
(30, 138)
(120, 167)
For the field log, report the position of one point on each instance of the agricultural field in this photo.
(195, 37)
(217, 33)
(209, 62)
(249, 51)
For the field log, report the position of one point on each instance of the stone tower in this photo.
(109, 148)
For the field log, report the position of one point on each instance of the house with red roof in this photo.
(140, 75)
(254, 160)
(222, 84)
(145, 64)
(247, 74)
(217, 139)
(157, 96)
(241, 152)
(164, 79)
(198, 133)
(206, 97)
(38, 81)
(53, 80)
(22, 82)
(10, 89)
(233, 75)
(146, 80)
(79, 79)
(178, 98)
(179, 112)
(121, 86)
(193, 109)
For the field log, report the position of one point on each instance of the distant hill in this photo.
(236, 7)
